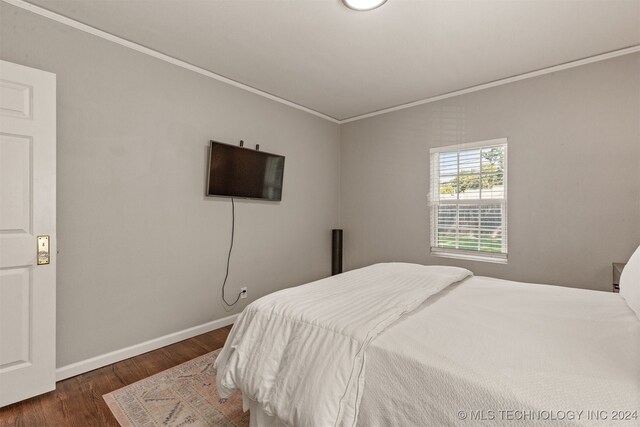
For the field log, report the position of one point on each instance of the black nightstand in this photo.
(617, 271)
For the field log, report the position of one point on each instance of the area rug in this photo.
(182, 396)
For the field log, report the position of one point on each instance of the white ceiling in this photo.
(323, 56)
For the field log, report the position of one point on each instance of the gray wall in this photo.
(574, 157)
(142, 252)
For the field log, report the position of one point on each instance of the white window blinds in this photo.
(468, 201)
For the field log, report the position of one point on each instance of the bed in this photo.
(410, 345)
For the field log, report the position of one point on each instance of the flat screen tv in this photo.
(244, 172)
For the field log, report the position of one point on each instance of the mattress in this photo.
(489, 351)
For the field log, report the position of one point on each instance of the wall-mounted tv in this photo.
(244, 172)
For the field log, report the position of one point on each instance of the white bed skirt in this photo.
(258, 417)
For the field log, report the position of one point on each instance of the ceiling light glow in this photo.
(363, 5)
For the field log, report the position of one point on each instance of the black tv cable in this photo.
(233, 227)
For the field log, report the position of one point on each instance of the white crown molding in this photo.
(87, 365)
(541, 72)
(143, 49)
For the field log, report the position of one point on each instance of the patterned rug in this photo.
(182, 396)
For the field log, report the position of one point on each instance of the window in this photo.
(468, 201)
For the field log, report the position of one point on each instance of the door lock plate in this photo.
(43, 250)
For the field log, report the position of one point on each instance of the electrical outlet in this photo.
(243, 293)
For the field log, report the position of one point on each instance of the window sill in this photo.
(496, 259)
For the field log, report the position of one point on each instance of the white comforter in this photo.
(299, 353)
(490, 352)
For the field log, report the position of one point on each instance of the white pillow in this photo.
(630, 282)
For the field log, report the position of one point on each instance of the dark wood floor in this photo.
(77, 401)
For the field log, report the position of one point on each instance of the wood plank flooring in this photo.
(77, 401)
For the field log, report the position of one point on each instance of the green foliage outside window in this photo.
(492, 174)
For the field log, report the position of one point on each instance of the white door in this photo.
(27, 210)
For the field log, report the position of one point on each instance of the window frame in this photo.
(435, 201)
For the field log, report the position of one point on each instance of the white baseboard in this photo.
(135, 350)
